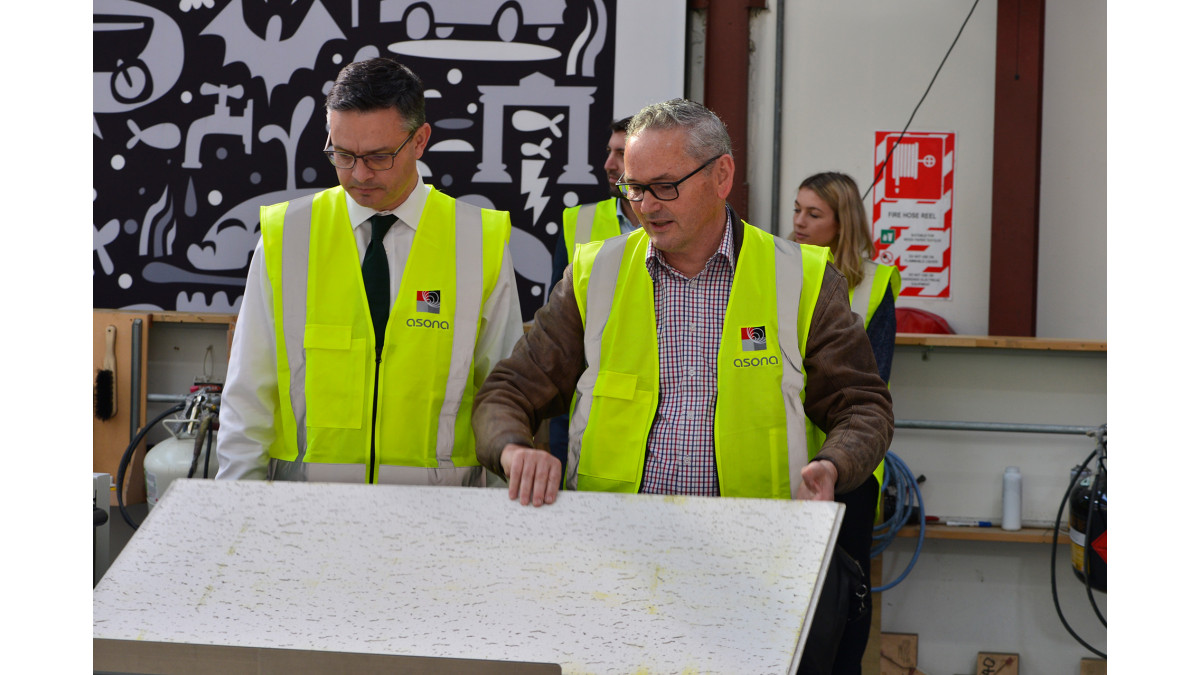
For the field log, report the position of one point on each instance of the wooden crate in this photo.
(996, 663)
(898, 653)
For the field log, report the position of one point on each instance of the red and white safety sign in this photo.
(913, 208)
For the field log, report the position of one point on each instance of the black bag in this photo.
(843, 600)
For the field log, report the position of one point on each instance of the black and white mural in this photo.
(204, 110)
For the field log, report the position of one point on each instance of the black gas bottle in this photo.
(1090, 544)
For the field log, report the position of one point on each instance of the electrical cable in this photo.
(906, 484)
(137, 439)
(207, 412)
(1093, 506)
(212, 431)
(908, 493)
(1101, 475)
(204, 433)
(888, 158)
(1100, 448)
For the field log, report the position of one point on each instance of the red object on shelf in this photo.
(912, 320)
(1101, 546)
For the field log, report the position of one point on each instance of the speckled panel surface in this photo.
(598, 583)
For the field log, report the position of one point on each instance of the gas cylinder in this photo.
(172, 458)
(1090, 545)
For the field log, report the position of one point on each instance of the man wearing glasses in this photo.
(689, 353)
(714, 306)
(373, 311)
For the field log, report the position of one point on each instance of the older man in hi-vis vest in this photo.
(689, 354)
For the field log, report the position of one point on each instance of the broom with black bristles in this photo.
(105, 394)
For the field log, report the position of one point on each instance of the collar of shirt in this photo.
(624, 223)
(409, 212)
(656, 263)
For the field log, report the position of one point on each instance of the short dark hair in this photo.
(621, 125)
(376, 84)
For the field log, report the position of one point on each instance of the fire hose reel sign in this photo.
(912, 208)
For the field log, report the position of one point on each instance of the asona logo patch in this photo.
(754, 339)
(429, 302)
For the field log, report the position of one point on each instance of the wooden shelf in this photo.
(193, 317)
(1025, 535)
(173, 317)
(999, 342)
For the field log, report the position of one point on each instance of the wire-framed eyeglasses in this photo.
(377, 161)
(663, 192)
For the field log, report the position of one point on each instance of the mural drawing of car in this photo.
(507, 16)
(118, 42)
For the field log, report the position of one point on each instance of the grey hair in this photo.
(707, 136)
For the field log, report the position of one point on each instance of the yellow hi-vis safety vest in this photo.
(325, 343)
(758, 429)
(590, 222)
(880, 279)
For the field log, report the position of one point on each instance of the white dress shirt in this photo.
(250, 395)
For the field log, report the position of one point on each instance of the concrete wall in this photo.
(855, 67)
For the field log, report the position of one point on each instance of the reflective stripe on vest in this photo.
(325, 343)
(880, 278)
(758, 427)
(590, 222)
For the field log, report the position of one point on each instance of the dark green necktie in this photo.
(375, 278)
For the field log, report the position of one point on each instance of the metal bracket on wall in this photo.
(135, 380)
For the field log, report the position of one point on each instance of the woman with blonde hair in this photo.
(829, 212)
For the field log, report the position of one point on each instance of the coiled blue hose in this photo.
(908, 495)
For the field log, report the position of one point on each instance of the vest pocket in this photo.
(335, 370)
(753, 461)
(615, 385)
(619, 414)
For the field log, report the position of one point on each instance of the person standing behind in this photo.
(601, 220)
(593, 222)
(373, 311)
(829, 212)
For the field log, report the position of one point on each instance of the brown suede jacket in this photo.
(844, 394)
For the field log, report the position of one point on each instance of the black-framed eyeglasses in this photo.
(663, 192)
(378, 161)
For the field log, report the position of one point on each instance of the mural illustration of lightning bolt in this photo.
(533, 185)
